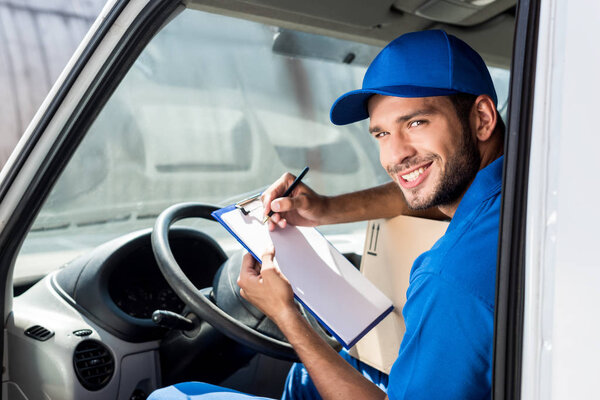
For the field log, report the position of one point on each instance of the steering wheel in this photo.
(242, 322)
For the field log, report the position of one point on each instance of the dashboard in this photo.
(86, 328)
(119, 284)
(138, 288)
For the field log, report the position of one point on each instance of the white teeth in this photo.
(413, 175)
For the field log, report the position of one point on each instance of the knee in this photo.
(187, 390)
(299, 385)
(298, 375)
(167, 393)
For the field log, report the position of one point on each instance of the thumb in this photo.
(267, 259)
(284, 204)
(268, 256)
(269, 268)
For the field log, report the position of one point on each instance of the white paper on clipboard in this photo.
(323, 280)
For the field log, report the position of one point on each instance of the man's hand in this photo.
(304, 207)
(266, 287)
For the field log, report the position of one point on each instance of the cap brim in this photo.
(352, 106)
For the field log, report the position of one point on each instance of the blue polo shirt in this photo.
(446, 352)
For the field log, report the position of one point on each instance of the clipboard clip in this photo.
(243, 203)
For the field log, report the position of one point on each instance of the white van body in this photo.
(561, 326)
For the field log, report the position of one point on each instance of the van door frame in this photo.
(14, 229)
(510, 279)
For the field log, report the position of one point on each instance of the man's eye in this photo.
(379, 135)
(414, 124)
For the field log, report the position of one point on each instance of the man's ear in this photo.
(484, 117)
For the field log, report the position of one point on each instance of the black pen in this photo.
(289, 190)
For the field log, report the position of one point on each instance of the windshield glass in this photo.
(213, 110)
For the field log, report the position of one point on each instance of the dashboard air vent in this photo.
(94, 364)
(39, 332)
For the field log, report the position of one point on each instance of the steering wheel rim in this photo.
(197, 299)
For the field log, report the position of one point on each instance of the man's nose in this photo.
(399, 149)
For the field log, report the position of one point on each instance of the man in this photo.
(432, 109)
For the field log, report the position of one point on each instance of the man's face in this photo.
(424, 148)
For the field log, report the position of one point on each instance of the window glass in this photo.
(213, 110)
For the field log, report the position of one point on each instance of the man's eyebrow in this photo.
(407, 117)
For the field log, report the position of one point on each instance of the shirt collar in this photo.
(487, 183)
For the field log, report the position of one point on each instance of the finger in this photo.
(282, 204)
(248, 273)
(282, 223)
(267, 257)
(275, 218)
(249, 266)
(276, 190)
(272, 225)
(285, 204)
(275, 221)
(273, 272)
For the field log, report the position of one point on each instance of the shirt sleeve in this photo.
(446, 352)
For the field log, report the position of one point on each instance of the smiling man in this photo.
(432, 109)
(427, 150)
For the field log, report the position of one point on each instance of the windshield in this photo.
(213, 110)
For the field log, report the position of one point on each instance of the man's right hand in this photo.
(304, 207)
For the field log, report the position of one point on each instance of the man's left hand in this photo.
(266, 287)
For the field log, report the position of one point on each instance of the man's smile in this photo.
(413, 177)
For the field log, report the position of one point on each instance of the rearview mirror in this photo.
(301, 44)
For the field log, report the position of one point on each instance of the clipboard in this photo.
(346, 303)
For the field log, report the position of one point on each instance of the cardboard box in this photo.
(391, 246)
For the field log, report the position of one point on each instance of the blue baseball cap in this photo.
(418, 64)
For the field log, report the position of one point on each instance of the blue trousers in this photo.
(298, 386)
